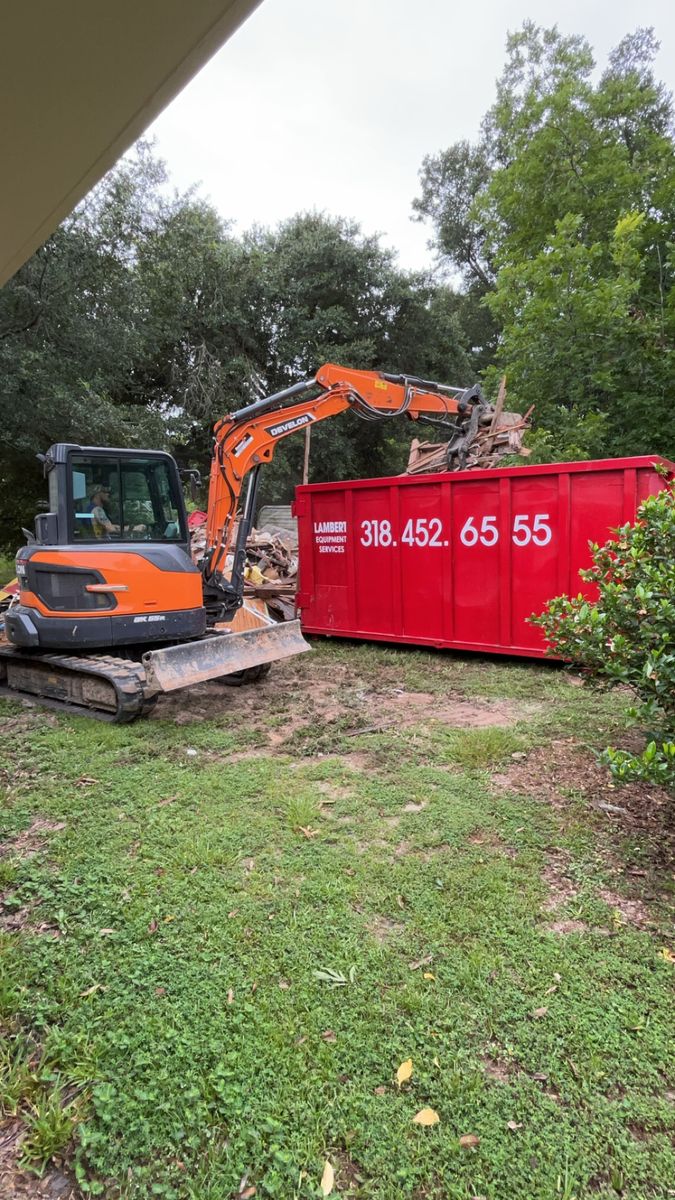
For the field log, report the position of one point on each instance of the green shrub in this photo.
(627, 636)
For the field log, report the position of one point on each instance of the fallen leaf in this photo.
(105, 932)
(514, 1124)
(284, 985)
(332, 978)
(540, 1076)
(308, 832)
(90, 991)
(328, 1035)
(420, 962)
(435, 1062)
(428, 975)
(426, 1116)
(553, 988)
(248, 1192)
(469, 1141)
(557, 976)
(667, 955)
(404, 1071)
(230, 996)
(380, 1091)
(327, 1179)
(87, 781)
(538, 1013)
(153, 926)
(168, 919)
(233, 913)
(400, 901)
(254, 986)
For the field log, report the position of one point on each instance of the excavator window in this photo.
(124, 499)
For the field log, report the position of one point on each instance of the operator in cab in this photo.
(101, 523)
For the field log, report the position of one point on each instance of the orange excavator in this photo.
(112, 611)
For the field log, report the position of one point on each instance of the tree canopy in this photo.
(560, 220)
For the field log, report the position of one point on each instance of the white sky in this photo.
(332, 104)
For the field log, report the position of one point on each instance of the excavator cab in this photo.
(143, 489)
(109, 564)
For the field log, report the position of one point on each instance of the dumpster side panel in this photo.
(460, 560)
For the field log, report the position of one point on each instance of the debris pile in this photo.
(492, 434)
(272, 570)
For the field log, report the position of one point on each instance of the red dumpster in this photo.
(458, 560)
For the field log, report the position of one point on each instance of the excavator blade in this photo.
(195, 662)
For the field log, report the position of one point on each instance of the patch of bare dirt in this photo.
(456, 712)
(311, 703)
(348, 1174)
(562, 889)
(382, 928)
(30, 841)
(632, 911)
(358, 760)
(550, 773)
(564, 927)
(56, 1183)
(332, 791)
(494, 1069)
(492, 841)
(413, 807)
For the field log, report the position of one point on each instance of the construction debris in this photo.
(273, 571)
(272, 564)
(492, 435)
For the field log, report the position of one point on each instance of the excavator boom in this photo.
(248, 438)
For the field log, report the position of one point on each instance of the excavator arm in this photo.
(247, 439)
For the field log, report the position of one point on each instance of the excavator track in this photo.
(98, 685)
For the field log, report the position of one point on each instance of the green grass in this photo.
(7, 569)
(223, 961)
(482, 747)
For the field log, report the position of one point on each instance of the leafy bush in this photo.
(627, 636)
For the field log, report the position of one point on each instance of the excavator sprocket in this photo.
(98, 685)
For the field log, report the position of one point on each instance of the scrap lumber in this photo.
(272, 566)
(493, 434)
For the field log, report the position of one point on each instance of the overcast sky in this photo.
(332, 104)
